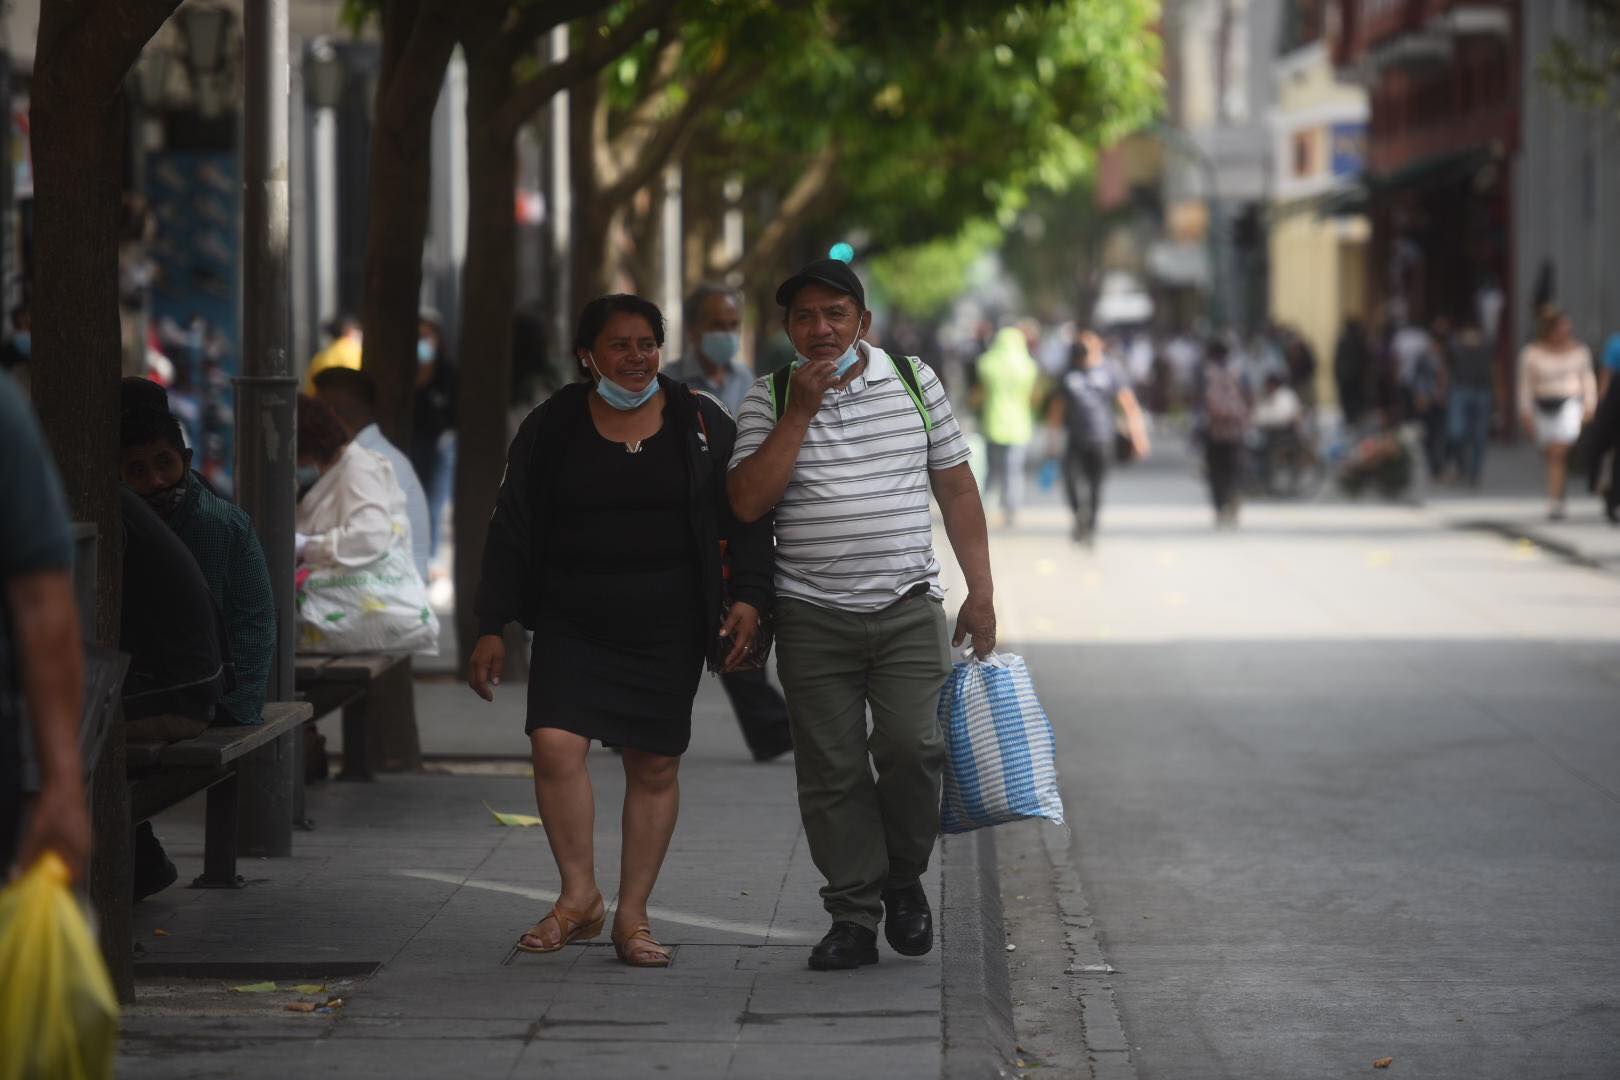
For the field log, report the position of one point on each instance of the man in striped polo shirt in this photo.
(846, 451)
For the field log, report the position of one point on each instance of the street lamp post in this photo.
(271, 787)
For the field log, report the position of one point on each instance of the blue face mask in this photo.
(620, 398)
(23, 342)
(720, 346)
(305, 476)
(424, 351)
(850, 358)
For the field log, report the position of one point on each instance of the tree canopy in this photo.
(914, 130)
(1586, 70)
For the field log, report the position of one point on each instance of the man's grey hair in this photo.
(692, 307)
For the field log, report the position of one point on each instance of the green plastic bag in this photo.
(58, 1012)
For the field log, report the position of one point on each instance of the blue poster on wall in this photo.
(196, 199)
(1348, 152)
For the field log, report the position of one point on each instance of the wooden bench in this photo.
(163, 774)
(376, 693)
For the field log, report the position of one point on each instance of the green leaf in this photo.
(517, 820)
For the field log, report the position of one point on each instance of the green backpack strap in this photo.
(779, 390)
(913, 381)
(909, 377)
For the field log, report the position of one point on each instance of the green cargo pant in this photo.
(866, 834)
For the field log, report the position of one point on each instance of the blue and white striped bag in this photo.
(1000, 761)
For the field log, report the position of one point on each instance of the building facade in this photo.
(1219, 59)
(1319, 134)
(1443, 79)
(1566, 184)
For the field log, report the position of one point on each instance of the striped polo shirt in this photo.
(853, 530)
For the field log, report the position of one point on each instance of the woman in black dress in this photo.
(606, 542)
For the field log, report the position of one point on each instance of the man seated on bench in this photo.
(352, 396)
(156, 465)
(178, 671)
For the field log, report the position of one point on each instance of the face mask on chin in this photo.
(166, 501)
(851, 357)
(617, 396)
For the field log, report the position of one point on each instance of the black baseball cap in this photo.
(833, 273)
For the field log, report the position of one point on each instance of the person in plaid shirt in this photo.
(157, 465)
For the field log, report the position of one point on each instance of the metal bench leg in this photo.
(110, 859)
(356, 732)
(268, 780)
(219, 844)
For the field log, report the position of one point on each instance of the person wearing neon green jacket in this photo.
(1007, 374)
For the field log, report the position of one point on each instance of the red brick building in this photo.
(1443, 78)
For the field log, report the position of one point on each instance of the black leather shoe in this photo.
(847, 945)
(907, 922)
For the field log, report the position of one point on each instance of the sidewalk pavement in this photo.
(1513, 501)
(407, 897)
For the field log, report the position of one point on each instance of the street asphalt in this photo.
(1342, 783)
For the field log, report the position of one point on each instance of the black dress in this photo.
(620, 631)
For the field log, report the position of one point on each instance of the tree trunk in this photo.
(401, 183)
(78, 149)
(590, 267)
(484, 394)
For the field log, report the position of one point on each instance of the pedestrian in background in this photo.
(1469, 404)
(711, 319)
(712, 322)
(1604, 465)
(1611, 365)
(41, 658)
(352, 397)
(1352, 370)
(433, 423)
(1008, 374)
(1083, 409)
(605, 541)
(343, 349)
(1428, 386)
(1225, 425)
(1557, 393)
(846, 454)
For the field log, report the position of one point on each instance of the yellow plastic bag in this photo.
(58, 1012)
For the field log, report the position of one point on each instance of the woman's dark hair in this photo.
(596, 314)
(320, 435)
(1548, 316)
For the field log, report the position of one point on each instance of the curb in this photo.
(1568, 552)
(976, 1021)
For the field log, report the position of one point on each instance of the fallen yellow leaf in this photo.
(1383, 1063)
(310, 988)
(160, 933)
(512, 819)
(254, 988)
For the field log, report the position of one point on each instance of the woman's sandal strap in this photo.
(643, 932)
(568, 922)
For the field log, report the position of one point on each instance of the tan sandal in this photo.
(572, 926)
(639, 948)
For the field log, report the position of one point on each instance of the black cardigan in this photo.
(515, 549)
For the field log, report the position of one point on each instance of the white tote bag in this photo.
(380, 607)
(1000, 757)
